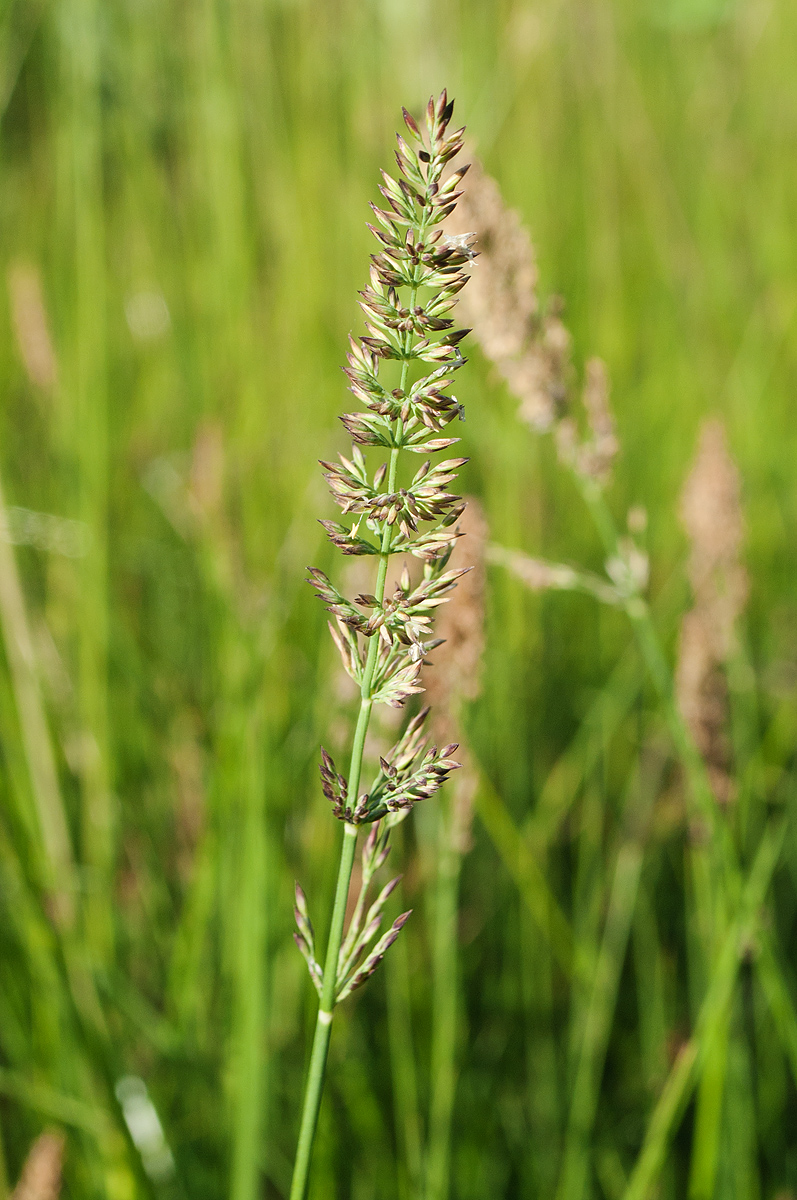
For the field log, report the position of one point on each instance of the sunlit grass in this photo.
(190, 183)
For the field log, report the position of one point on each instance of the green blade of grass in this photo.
(55, 845)
(521, 862)
(708, 1118)
(595, 1025)
(68, 1110)
(781, 1005)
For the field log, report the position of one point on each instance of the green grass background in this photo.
(221, 154)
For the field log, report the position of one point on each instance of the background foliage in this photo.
(191, 183)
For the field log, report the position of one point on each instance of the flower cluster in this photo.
(356, 963)
(415, 279)
(410, 772)
(384, 636)
(414, 282)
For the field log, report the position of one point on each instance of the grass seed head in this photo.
(711, 512)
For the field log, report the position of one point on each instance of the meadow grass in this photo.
(190, 184)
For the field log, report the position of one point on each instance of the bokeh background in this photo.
(183, 199)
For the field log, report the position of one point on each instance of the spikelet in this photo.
(41, 1174)
(712, 516)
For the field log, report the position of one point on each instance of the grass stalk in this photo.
(318, 1056)
(51, 1104)
(778, 998)
(708, 1117)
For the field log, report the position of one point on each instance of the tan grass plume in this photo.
(41, 1174)
(711, 513)
(531, 350)
(528, 342)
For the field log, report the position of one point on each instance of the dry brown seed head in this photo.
(712, 515)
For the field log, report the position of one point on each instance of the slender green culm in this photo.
(384, 639)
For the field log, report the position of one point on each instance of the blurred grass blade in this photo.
(51, 1104)
(708, 1117)
(17, 30)
(86, 392)
(566, 777)
(521, 862)
(57, 864)
(597, 1020)
(778, 997)
(713, 1013)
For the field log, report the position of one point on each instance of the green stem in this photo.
(714, 866)
(318, 1058)
(650, 648)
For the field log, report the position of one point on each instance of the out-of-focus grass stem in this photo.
(597, 1020)
(87, 390)
(691, 1059)
(57, 863)
(660, 674)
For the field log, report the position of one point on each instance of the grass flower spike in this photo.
(401, 371)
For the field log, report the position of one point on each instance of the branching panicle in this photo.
(415, 278)
(383, 639)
